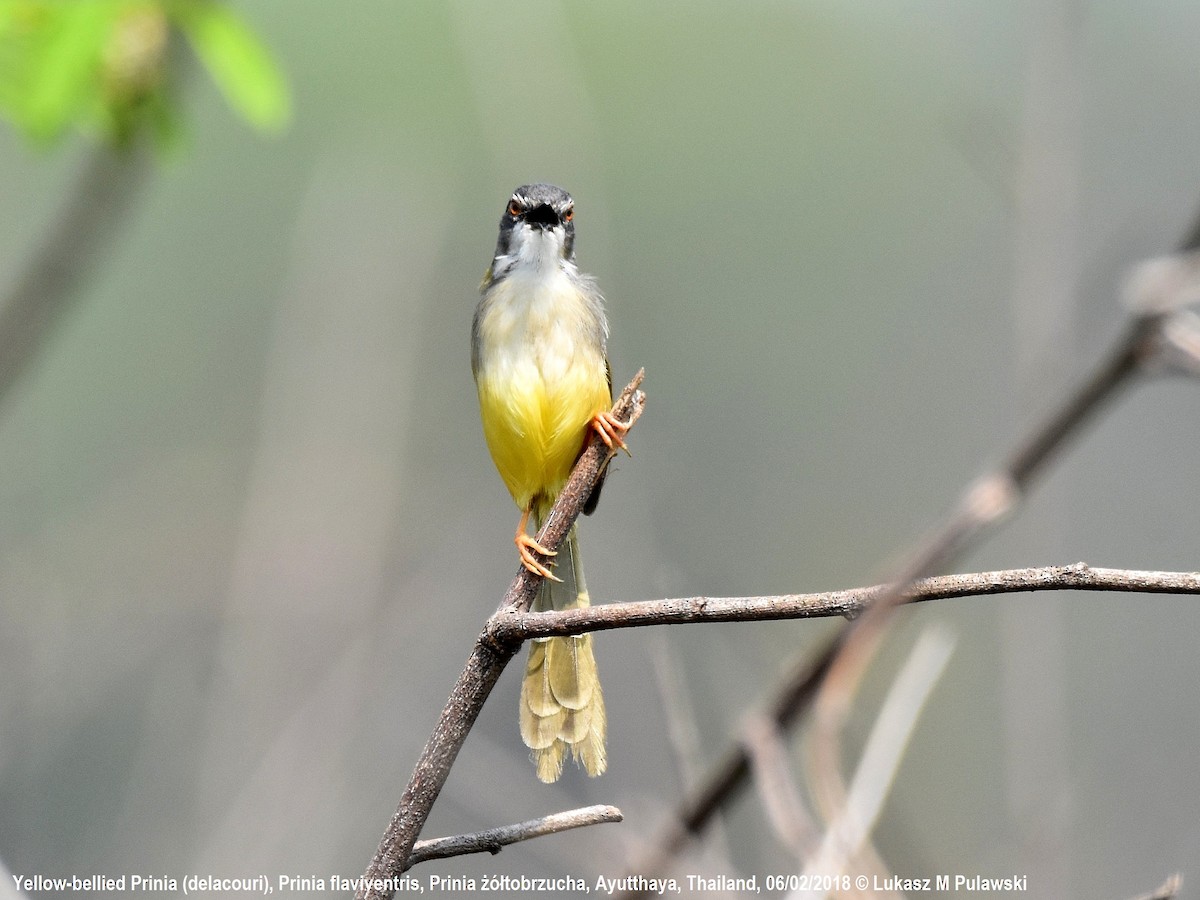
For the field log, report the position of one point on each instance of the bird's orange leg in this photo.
(611, 430)
(525, 547)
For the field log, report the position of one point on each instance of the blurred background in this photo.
(249, 529)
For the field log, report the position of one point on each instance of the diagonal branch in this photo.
(591, 463)
(493, 840)
(983, 504)
(42, 293)
(482, 670)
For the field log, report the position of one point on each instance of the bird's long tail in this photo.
(562, 707)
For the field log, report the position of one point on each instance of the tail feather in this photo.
(541, 717)
(571, 669)
(576, 726)
(537, 696)
(562, 706)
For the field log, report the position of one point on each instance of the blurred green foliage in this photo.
(103, 66)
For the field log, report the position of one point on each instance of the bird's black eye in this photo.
(514, 208)
(569, 214)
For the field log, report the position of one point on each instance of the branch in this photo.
(778, 793)
(1168, 890)
(516, 627)
(482, 670)
(1144, 343)
(43, 291)
(562, 516)
(851, 825)
(494, 839)
(1181, 343)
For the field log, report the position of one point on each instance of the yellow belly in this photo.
(541, 378)
(535, 427)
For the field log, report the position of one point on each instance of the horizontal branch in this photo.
(507, 628)
(493, 840)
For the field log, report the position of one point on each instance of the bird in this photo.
(539, 358)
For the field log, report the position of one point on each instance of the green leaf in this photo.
(237, 61)
(59, 77)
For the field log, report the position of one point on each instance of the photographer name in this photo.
(968, 883)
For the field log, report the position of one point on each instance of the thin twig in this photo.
(853, 823)
(487, 660)
(847, 603)
(777, 791)
(1168, 890)
(1181, 343)
(678, 710)
(683, 736)
(493, 840)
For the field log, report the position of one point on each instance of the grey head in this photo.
(538, 217)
